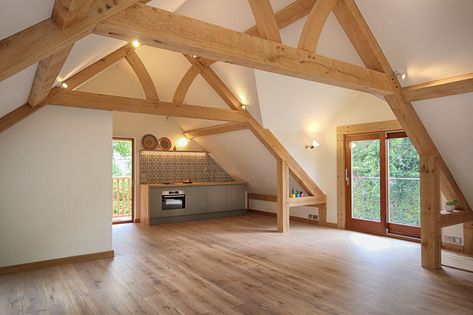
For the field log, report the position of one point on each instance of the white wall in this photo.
(364, 109)
(55, 185)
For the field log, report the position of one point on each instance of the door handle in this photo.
(347, 179)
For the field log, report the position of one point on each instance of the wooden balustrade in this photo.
(122, 196)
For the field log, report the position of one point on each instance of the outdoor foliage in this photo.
(121, 168)
(365, 177)
(403, 187)
(404, 182)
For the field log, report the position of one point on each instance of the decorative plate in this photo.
(164, 143)
(149, 142)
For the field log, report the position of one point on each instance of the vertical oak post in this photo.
(283, 195)
(430, 212)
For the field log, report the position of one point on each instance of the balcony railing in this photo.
(122, 193)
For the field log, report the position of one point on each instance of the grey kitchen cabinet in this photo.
(235, 197)
(155, 204)
(216, 198)
(196, 199)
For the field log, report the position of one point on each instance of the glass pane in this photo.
(122, 184)
(404, 183)
(365, 180)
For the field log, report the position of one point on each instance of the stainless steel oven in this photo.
(173, 200)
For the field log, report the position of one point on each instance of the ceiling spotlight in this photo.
(194, 56)
(243, 107)
(63, 85)
(400, 75)
(135, 43)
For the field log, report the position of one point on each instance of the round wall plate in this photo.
(149, 142)
(165, 143)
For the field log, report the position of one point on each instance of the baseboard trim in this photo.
(55, 262)
(452, 247)
(293, 218)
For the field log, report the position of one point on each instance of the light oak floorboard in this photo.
(240, 265)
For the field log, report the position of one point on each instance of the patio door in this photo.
(382, 184)
(122, 180)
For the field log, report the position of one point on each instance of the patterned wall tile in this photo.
(169, 166)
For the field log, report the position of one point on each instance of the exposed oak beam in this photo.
(265, 20)
(91, 71)
(430, 232)
(288, 15)
(46, 74)
(306, 201)
(143, 75)
(67, 12)
(439, 88)
(216, 83)
(133, 105)
(185, 83)
(167, 30)
(17, 115)
(282, 196)
(41, 40)
(315, 23)
(280, 153)
(360, 35)
(213, 130)
(457, 217)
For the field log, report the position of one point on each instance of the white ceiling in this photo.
(429, 39)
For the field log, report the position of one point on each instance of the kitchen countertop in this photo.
(236, 182)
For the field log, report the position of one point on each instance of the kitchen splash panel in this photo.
(171, 166)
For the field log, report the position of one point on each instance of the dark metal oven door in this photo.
(174, 202)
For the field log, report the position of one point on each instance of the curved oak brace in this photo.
(185, 84)
(265, 20)
(315, 22)
(143, 75)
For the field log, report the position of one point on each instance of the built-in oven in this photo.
(173, 200)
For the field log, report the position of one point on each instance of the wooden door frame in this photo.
(132, 178)
(383, 126)
(365, 225)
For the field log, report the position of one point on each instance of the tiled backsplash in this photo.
(171, 166)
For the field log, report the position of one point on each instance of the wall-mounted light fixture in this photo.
(182, 142)
(314, 145)
(400, 75)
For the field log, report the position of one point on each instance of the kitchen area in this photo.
(178, 186)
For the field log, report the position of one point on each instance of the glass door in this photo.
(122, 180)
(364, 179)
(382, 184)
(403, 186)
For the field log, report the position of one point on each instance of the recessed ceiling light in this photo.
(243, 107)
(136, 43)
(64, 85)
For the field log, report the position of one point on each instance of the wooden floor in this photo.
(240, 265)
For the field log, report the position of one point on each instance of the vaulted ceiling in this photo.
(427, 39)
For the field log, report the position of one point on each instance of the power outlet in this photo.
(313, 216)
(449, 239)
